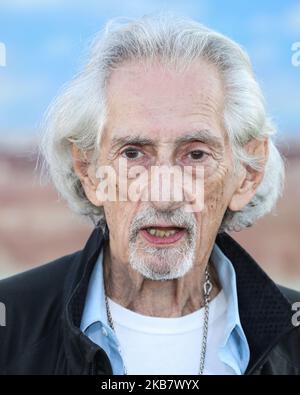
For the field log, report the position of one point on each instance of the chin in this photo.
(161, 268)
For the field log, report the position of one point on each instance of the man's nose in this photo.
(166, 189)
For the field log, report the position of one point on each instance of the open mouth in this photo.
(163, 234)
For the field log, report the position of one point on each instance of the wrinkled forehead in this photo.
(158, 102)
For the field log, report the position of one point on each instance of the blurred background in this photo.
(42, 44)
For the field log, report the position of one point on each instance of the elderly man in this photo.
(160, 287)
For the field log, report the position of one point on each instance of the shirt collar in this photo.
(95, 309)
(234, 350)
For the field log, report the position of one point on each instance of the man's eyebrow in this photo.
(118, 142)
(204, 136)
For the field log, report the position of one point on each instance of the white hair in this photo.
(78, 114)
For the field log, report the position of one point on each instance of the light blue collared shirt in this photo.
(234, 350)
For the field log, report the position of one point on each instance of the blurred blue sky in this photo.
(45, 40)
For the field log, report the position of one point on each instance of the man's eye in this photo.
(197, 155)
(131, 153)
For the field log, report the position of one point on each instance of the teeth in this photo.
(161, 233)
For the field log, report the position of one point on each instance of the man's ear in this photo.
(85, 170)
(248, 177)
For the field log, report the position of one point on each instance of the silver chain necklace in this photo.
(207, 287)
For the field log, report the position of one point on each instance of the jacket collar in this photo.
(81, 352)
(265, 313)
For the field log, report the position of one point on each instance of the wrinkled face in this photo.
(156, 117)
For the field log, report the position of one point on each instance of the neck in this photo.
(167, 298)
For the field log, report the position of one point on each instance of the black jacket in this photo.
(44, 308)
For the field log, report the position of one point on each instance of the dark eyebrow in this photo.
(204, 136)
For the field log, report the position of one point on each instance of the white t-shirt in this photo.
(152, 345)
